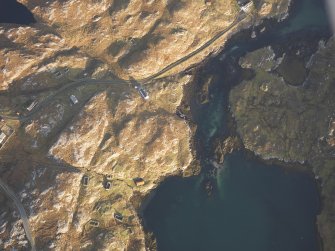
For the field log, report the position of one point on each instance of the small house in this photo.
(245, 5)
(74, 99)
(108, 185)
(208, 2)
(32, 105)
(118, 216)
(94, 223)
(85, 180)
(139, 181)
(58, 74)
(142, 92)
(3, 138)
(180, 114)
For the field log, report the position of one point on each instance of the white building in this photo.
(74, 99)
(32, 105)
(2, 138)
(144, 94)
(248, 7)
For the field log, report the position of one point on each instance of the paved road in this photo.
(73, 84)
(87, 81)
(22, 212)
(76, 83)
(237, 19)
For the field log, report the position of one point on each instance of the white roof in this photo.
(2, 137)
(247, 7)
(32, 105)
(74, 99)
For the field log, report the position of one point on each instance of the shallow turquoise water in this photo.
(255, 208)
(311, 13)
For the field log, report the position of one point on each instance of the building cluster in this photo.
(117, 216)
(107, 184)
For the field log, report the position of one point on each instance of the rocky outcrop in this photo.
(135, 37)
(130, 137)
(224, 147)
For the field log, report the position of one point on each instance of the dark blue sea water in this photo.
(254, 206)
(12, 11)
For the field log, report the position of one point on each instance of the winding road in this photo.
(22, 212)
(88, 81)
(241, 15)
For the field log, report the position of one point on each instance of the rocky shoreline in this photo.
(221, 147)
(233, 141)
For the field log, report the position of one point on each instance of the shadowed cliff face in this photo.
(14, 12)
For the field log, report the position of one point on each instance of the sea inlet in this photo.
(255, 206)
